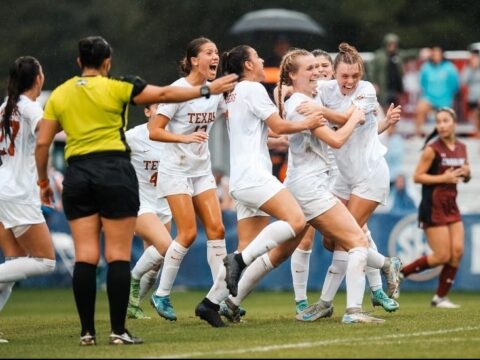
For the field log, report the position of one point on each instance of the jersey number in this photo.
(153, 178)
(201, 128)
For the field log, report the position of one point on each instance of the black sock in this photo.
(240, 261)
(210, 304)
(118, 290)
(84, 284)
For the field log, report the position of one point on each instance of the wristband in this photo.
(43, 183)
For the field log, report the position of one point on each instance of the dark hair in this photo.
(287, 66)
(232, 61)
(322, 53)
(93, 50)
(22, 76)
(348, 55)
(193, 48)
(435, 131)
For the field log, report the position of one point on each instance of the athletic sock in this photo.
(299, 267)
(23, 267)
(416, 266)
(149, 260)
(216, 251)
(147, 281)
(84, 283)
(335, 275)
(171, 265)
(118, 291)
(270, 237)
(355, 277)
(446, 279)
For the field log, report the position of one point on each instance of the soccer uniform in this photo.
(438, 206)
(308, 166)
(251, 179)
(19, 193)
(92, 110)
(363, 170)
(186, 168)
(145, 156)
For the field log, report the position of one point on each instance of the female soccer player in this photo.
(256, 191)
(100, 185)
(24, 236)
(154, 217)
(442, 166)
(185, 176)
(363, 179)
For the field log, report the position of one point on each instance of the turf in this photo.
(44, 324)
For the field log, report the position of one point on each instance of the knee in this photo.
(186, 236)
(216, 232)
(297, 222)
(457, 255)
(443, 258)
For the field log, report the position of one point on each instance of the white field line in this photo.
(393, 338)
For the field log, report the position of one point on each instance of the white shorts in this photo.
(248, 200)
(18, 217)
(157, 206)
(376, 187)
(313, 195)
(174, 185)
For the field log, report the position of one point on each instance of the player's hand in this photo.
(195, 137)
(308, 108)
(315, 120)
(453, 176)
(393, 114)
(223, 84)
(46, 196)
(358, 116)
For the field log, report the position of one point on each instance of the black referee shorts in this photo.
(103, 183)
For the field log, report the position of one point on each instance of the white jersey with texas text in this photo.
(360, 155)
(18, 173)
(185, 118)
(248, 107)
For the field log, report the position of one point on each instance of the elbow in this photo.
(416, 179)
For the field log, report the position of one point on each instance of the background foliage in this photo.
(149, 36)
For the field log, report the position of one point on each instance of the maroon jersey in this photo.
(439, 205)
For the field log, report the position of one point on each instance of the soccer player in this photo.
(100, 186)
(257, 193)
(24, 237)
(442, 166)
(185, 176)
(154, 217)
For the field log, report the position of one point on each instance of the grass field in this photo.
(44, 324)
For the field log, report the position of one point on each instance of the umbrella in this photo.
(276, 20)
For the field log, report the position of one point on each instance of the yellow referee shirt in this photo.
(92, 110)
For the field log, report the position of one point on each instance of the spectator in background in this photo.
(471, 79)
(411, 87)
(386, 71)
(400, 200)
(439, 82)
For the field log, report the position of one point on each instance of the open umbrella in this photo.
(276, 20)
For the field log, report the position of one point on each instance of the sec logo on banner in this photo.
(408, 242)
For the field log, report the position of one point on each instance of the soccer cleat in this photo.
(87, 340)
(209, 314)
(443, 303)
(231, 311)
(396, 294)
(136, 312)
(124, 339)
(314, 312)
(392, 274)
(379, 298)
(300, 306)
(163, 307)
(360, 317)
(134, 298)
(233, 273)
(2, 340)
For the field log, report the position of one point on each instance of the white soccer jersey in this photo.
(145, 156)
(185, 118)
(307, 155)
(248, 107)
(359, 156)
(18, 174)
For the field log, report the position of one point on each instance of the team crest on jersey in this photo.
(81, 82)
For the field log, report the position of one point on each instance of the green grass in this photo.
(44, 324)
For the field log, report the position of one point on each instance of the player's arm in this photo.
(421, 176)
(158, 132)
(308, 107)
(391, 118)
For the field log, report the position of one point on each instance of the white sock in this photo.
(270, 237)
(355, 279)
(219, 291)
(216, 251)
(299, 266)
(251, 277)
(149, 260)
(24, 267)
(335, 274)
(147, 281)
(6, 288)
(171, 264)
(375, 261)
